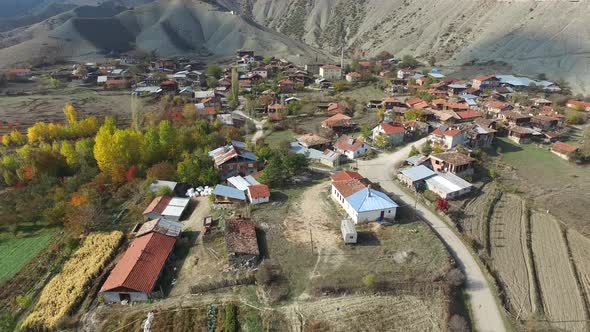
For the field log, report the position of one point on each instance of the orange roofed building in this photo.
(134, 277)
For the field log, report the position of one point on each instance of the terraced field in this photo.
(562, 299)
(475, 213)
(510, 255)
(580, 250)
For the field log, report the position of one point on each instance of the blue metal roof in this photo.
(418, 173)
(370, 200)
(229, 192)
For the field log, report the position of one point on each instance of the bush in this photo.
(431, 196)
(231, 322)
(164, 191)
(455, 278)
(252, 323)
(369, 281)
(23, 301)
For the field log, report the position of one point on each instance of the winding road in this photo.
(259, 124)
(485, 310)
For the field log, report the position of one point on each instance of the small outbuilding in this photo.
(348, 230)
(241, 243)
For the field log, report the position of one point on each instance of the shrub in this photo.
(231, 322)
(455, 278)
(164, 191)
(68, 287)
(369, 281)
(458, 324)
(431, 196)
(23, 301)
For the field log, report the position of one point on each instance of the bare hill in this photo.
(171, 27)
(551, 37)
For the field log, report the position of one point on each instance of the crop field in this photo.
(562, 300)
(580, 250)
(552, 183)
(18, 251)
(62, 293)
(475, 215)
(510, 254)
(374, 313)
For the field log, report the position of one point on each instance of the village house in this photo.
(234, 159)
(390, 103)
(564, 150)
(405, 73)
(448, 185)
(522, 135)
(479, 137)
(331, 72)
(160, 225)
(468, 116)
(578, 104)
(286, 86)
(395, 132)
(353, 77)
(540, 102)
(456, 88)
(447, 138)
(496, 107)
(325, 157)
(228, 195)
(351, 147)
(416, 128)
(335, 108)
(134, 277)
(542, 122)
(339, 122)
(361, 202)
(241, 243)
(19, 73)
(258, 194)
(514, 118)
(485, 82)
(313, 141)
(452, 162)
(415, 177)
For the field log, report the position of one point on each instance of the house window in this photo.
(250, 165)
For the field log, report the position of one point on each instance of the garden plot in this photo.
(510, 255)
(562, 300)
(370, 313)
(475, 215)
(580, 249)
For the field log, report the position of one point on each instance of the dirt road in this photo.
(259, 124)
(484, 307)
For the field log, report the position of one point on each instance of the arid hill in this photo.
(170, 27)
(550, 37)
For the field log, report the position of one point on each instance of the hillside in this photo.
(171, 27)
(551, 37)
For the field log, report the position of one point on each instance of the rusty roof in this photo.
(453, 158)
(349, 187)
(158, 205)
(345, 176)
(240, 237)
(140, 266)
(563, 148)
(259, 191)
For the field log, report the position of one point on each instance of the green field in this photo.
(18, 251)
(365, 94)
(277, 137)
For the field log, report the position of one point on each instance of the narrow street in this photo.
(484, 306)
(259, 124)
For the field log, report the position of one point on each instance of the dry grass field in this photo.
(474, 220)
(510, 255)
(562, 301)
(580, 250)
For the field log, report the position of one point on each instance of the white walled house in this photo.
(331, 72)
(395, 133)
(258, 194)
(447, 138)
(352, 148)
(361, 202)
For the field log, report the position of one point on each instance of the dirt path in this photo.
(484, 306)
(562, 300)
(189, 272)
(259, 124)
(510, 255)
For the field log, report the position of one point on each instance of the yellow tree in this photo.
(71, 114)
(6, 140)
(69, 152)
(16, 137)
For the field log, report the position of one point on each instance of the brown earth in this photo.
(510, 255)
(475, 214)
(580, 250)
(562, 300)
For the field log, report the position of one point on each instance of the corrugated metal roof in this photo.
(448, 182)
(229, 192)
(158, 205)
(141, 264)
(238, 182)
(418, 173)
(162, 226)
(159, 183)
(173, 211)
(370, 200)
(179, 201)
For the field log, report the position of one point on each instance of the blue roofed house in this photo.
(361, 202)
(327, 157)
(414, 177)
(228, 195)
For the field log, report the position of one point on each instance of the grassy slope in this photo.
(17, 251)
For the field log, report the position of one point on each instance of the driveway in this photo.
(484, 307)
(259, 124)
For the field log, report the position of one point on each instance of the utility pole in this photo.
(311, 240)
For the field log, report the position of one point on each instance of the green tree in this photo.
(381, 114)
(69, 152)
(409, 61)
(414, 152)
(426, 149)
(167, 135)
(413, 114)
(214, 71)
(382, 141)
(152, 149)
(235, 87)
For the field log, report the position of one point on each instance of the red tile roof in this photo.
(563, 148)
(578, 103)
(17, 71)
(469, 114)
(259, 191)
(240, 237)
(346, 143)
(390, 129)
(338, 120)
(345, 176)
(458, 106)
(168, 83)
(158, 205)
(140, 266)
(413, 101)
(347, 188)
(482, 78)
(391, 100)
